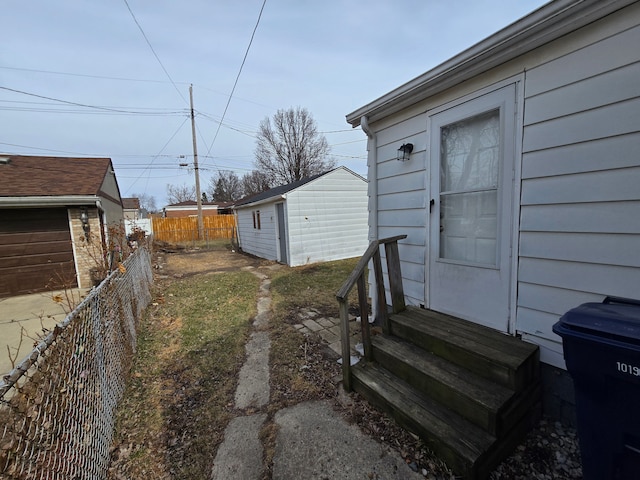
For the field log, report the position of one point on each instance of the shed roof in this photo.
(26, 176)
(277, 191)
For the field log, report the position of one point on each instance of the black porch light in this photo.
(405, 151)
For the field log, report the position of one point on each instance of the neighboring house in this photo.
(135, 217)
(189, 208)
(49, 207)
(316, 219)
(131, 208)
(521, 192)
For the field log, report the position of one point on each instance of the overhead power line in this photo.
(85, 112)
(251, 134)
(77, 104)
(73, 74)
(127, 79)
(155, 158)
(53, 151)
(154, 52)
(246, 53)
(341, 131)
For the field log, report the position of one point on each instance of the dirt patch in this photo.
(196, 262)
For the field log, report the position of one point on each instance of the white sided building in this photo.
(519, 189)
(317, 219)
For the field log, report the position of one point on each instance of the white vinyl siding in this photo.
(259, 242)
(402, 204)
(580, 201)
(327, 218)
(576, 225)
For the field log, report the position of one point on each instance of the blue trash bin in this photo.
(602, 352)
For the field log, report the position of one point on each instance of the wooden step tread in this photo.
(459, 442)
(506, 349)
(477, 390)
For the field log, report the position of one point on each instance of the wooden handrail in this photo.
(362, 264)
(357, 278)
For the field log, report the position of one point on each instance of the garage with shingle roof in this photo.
(49, 208)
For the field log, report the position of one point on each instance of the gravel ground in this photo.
(550, 451)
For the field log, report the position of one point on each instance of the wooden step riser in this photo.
(516, 380)
(495, 421)
(460, 356)
(444, 394)
(509, 441)
(406, 420)
(406, 413)
(519, 407)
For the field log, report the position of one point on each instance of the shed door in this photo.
(282, 235)
(35, 251)
(471, 169)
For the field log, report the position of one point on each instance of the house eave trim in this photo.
(275, 198)
(49, 201)
(542, 26)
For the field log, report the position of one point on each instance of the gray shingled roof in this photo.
(277, 191)
(25, 176)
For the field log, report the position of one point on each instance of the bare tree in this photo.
(181, 193)
(147, 202)
(254, 182)
(291, 148)
(225, 186)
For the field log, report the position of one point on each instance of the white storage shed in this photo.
(316, 219)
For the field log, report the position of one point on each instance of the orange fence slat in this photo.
(185, 229)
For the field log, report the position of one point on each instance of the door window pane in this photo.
(468, 226)
(470, 153)
(469, 171)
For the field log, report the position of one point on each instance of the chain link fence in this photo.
(57, 408)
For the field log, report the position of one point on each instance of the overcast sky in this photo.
(330, 57)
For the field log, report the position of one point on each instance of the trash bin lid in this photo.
(613, 318)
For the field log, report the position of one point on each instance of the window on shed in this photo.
(256, 219)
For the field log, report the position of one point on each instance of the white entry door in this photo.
(471, 170)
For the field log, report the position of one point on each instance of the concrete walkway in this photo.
(312, 442)
(23, 318)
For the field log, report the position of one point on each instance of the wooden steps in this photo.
(470, 392)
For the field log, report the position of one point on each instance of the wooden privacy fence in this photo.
(185, 229)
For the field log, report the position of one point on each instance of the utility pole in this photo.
(195, 167)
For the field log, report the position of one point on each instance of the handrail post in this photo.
(364, 317)
(346, 347)
(395, 277)
(381, 295)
